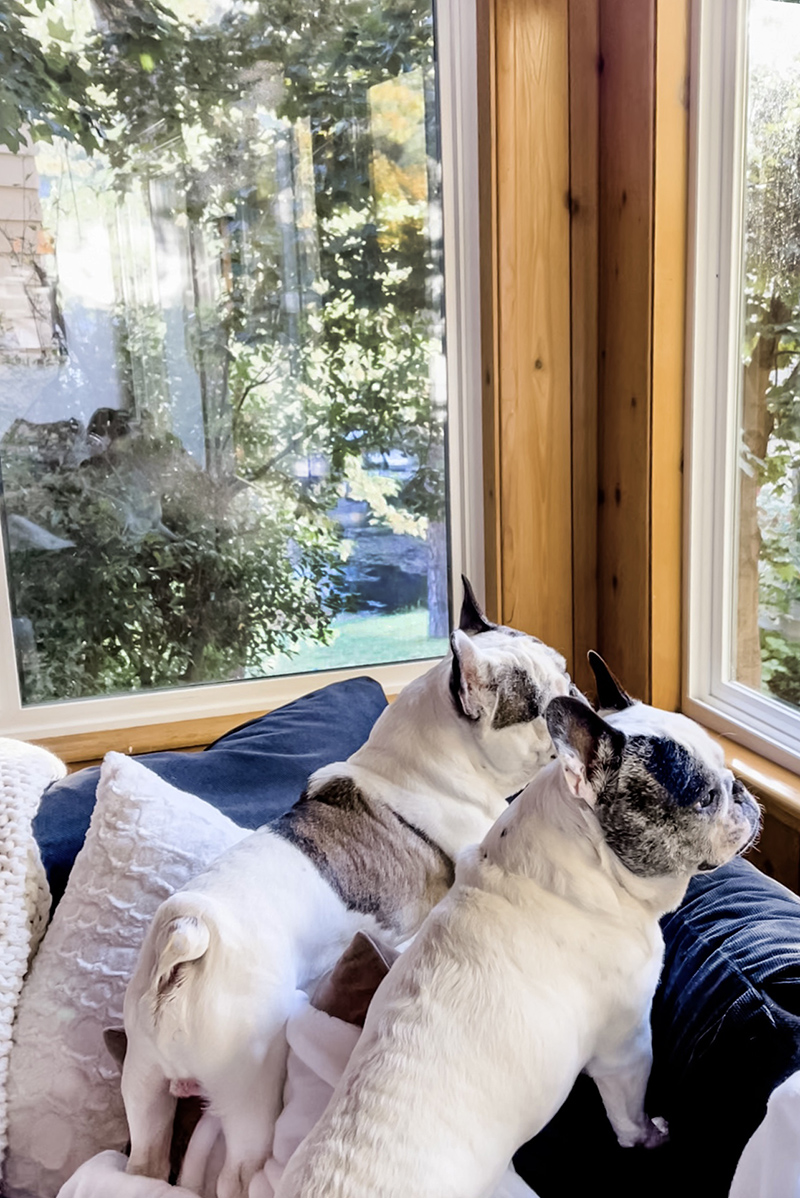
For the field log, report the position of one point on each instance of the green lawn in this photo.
(365, 641)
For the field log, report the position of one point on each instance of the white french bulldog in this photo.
(540, 963)
(369, 846)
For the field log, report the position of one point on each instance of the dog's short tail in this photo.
(182, 939)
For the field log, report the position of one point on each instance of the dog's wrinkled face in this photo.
(502, 681)
(658, 785)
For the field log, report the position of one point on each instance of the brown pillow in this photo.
(347, 990)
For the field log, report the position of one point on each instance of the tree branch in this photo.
(278, 457)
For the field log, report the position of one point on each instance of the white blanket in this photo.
(25, 772)
(319, 1049)
(769, 1167)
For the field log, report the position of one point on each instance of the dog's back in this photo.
(378, 862)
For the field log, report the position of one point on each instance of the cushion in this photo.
(346, 992)
(145, 840)
(726, 1031)
(727, 1016)
(254, 773)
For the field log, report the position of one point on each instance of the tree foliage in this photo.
(319, 350)
(168, 576)
(44, 89)
(771, 447)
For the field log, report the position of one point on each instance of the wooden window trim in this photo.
(79, 749)
(616, 72)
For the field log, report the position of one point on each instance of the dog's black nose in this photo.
(740, 793)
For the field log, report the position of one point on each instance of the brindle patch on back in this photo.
(518, 700)
(377, 862)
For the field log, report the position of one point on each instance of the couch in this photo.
(726, 1017)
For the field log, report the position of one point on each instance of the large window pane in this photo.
(767, 628)
(222, 393)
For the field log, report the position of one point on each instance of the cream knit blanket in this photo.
(25, 772)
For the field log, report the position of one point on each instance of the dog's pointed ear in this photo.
(586, 745)
(610, 695)
(466, 679)
(116, 1042)
(473, 619)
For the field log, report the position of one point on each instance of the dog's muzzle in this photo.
(751, 809)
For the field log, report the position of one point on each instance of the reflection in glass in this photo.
(222, 396)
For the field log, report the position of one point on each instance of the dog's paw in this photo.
(657, 1133)
(234, 1180)
(652, 1134)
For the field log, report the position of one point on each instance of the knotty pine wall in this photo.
(584, 150)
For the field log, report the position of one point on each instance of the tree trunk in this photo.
(438, 609)
(757, 424)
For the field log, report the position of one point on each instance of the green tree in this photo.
(44, 89)
(769, 517)
(317, 343)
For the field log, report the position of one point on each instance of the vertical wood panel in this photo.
(533, 316)
(627, 33)
(778, 852)
(669, 309)
(584, 54)
(585, 345)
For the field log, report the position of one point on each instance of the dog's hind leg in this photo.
(150, 1109)
(248, 1104)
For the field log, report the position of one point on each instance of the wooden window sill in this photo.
(777, 852)
(778, 787)
(81, 749)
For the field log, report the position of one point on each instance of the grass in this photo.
(365, 641)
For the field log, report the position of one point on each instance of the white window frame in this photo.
(456, 57)
(714, 382)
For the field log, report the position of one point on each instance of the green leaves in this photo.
(58, 30)
(44, 89)
(201, 594)
(307, 345)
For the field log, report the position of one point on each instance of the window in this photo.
(235, 444)
(744, 565)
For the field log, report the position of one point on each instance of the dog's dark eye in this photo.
(708, 800)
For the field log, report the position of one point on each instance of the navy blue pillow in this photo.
(253, 774)
(726, 1031)
(726, 1020)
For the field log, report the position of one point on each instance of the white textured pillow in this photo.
(146, 839)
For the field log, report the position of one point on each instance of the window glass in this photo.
(222, 391)
(766, 641)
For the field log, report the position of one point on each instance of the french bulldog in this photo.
(541, 962)
(369, 846)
